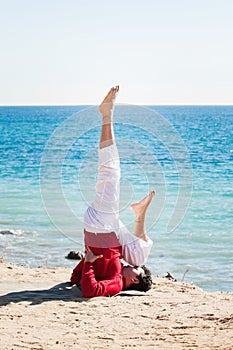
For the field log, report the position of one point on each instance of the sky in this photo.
(160, 52)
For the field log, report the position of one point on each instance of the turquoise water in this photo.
(48, 170)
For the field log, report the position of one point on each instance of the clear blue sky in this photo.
(56, 52)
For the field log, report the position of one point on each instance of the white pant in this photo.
(102, 216)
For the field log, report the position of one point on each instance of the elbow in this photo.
(88, 294)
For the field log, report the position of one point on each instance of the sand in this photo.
(38, 311)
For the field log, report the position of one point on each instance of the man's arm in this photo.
(77, 273)
(93, 288)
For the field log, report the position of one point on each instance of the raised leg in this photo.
(139, 210)
(103, 214)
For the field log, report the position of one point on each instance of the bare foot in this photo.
(140, 207)
(107, 105)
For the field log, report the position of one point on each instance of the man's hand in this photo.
(90, 257)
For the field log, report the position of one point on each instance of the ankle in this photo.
(140, 218)
(107, 119)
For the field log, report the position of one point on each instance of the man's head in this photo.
(137, 278)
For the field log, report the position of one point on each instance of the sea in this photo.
(48, 169)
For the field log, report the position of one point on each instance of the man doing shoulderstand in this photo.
(107, 240)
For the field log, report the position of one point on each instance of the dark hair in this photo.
(145, 281)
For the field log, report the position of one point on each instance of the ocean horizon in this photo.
(48, 171)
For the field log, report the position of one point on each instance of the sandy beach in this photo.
(40, 311)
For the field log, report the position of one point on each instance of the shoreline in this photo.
(38, 311)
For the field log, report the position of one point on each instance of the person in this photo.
(107, 240)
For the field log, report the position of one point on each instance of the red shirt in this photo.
(103, 276)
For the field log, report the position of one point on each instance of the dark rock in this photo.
(75, 255)
(6, 232)
(170, 277)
